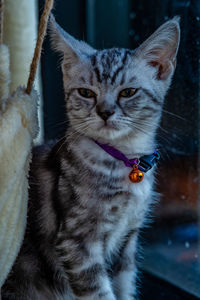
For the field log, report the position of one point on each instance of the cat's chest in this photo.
(124, 213)
(105, 177)
(110, 182)
(117, 200)
(103, 186)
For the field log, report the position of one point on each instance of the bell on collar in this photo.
(136, 175)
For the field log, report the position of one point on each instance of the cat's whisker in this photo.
(166, 138)
(73, 134)
(79, 130)
(63, 124)
(135, 126)
(64, 143)
(174, 115)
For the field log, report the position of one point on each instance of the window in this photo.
(172, 252)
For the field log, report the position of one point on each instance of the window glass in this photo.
(173, 251)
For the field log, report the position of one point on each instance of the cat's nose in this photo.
(105, 114)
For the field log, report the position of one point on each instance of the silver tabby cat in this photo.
(84, 212)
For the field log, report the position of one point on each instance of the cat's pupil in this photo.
(87, 93)
(127, 92)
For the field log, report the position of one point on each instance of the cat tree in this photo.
(18, 128)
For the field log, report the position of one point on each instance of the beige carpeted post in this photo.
(20, 34)
(18, 128)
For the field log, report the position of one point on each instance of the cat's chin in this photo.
(107, 134)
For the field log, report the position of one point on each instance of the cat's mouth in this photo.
(109, 126)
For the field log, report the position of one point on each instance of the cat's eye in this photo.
(127, 93)
(86, 93)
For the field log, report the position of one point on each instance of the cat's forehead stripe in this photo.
(104, 61)
(133, 78)
(91, 78)
(82, 79)
(122, 79)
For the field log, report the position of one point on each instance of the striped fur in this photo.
(84, 213)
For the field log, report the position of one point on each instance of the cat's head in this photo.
(114, 93)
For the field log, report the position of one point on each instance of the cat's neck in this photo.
(131, 146)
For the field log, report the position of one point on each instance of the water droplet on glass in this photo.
(131, 32)
(137, 37)
(187, 245)
(195, 179)
(187, 4)
(198, 18)
(169, 242)
(132, 15)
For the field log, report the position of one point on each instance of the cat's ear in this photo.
(70, 48)
(161, 48)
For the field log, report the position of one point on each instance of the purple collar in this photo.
(144, 163)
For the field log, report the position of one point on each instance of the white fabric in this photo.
(18, 127)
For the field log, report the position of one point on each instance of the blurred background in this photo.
(171, 246)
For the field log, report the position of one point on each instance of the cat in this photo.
(84, 213)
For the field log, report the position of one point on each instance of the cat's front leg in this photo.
(86, 273)
(125, 276)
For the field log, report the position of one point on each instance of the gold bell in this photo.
(136, 175)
